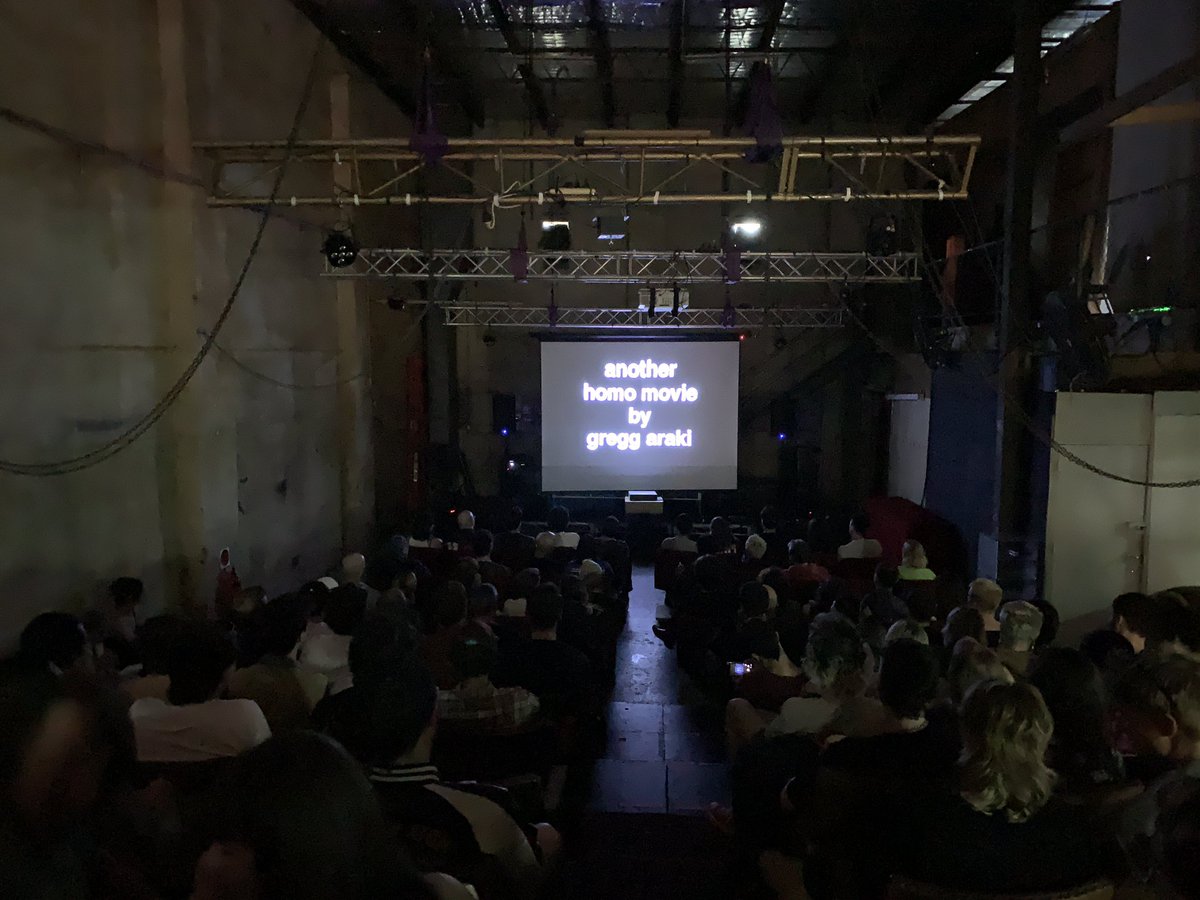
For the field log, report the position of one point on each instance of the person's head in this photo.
(397, 712)
(344, 609)
(544, 608)
(963, 622)
(466, 572)
(558, 519)
(985, 595)
(354, 566)
(465, 520)
(684, 525)
(1050, 623)
(886, 577)
(721, 531)
(908, 678)
(156, 636)
(200, 661)
(906, 630)
(1006, 731)
(774, 577)
(971, 662)
(708, 572)
(1156, 707)
(834, 656)
(525, 582)
(544, 545)
(61, 743)
(799, 553)
(55, 642)
(611, 527)
(449, 605)
(756, 547)
(912, 554)
(473, 654)
(283, 621)
(1141, 619)
(1074, 694)
(753, 600)
(858, 526)
(481, 543)
(1020, 625)
(768, 518)
(125, 593)
(1109, 652)
(484, 602)
(296, 819)
(591, 574)
(514, 518)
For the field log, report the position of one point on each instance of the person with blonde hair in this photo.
(1001, 799)
(914, 564)
(971, 663)
(986, 596)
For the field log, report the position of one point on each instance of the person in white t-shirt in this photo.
(194, 724)
(558, 520)
(860, 546)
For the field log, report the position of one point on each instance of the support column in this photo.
(353, 441)
(181, 511)
(1010, 505)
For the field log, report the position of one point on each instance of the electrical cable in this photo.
(122, 441)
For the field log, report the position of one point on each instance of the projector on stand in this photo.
(643, 503)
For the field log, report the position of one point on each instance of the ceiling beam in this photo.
(353, 50)
(533, 86)
(766, 37)
(602, 51)
(420, 24)
(1148, 91)
(675, 63)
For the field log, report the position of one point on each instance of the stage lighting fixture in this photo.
(556, 235)
(614, 227)
(747, 228)
(782, 436)
(340, 250)
(512, 465)
(882, 236)
(504, 433)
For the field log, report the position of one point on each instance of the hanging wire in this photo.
(126, 439)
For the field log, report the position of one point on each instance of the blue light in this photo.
(504, 431)
(782, 436)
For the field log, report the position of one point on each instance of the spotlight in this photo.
(556, 235)
(782, 436)
(340, 250)
(504, 433)
(747, 228)
(396, 303)
(512, 465)
(489, 340)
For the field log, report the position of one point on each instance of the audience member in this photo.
(155, 637)
(754, 551)
(285, 693)
(801, 569)
(490, 571)
(475, 704)
(553, 671)
(510, 547)
(377, 648)
(194, 724)
(1141, 620)
(914, 565)
(970, 663)
(1002, 801)
(297, 820)
(986, 596)
(681, 541)
(483, 605)
(777, 543)
(118, 611)
(524, 584)
(834, 663)
(325, 647)
(772, 678)
(882, 605)
(464, 522)
(558, 521)
(963, 622)
(444, 827)
(906, 630)
(422, 536)
(860, 546)
(1109, 652)
(449, 618)
(55, 642)
(1080, 751)
(1050, 623)
(719, 539)
(1020, 625)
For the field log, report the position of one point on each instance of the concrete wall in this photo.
(108, 272)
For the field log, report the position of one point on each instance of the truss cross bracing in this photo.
(595, 168)
(633, 267)
(591, 318)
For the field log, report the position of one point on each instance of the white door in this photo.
(908, 451)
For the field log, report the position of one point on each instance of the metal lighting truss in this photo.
(567, 317)
(660, 267)
(595, 167)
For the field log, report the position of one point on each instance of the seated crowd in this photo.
(394, 729)
(389, 730)
(891, 738)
